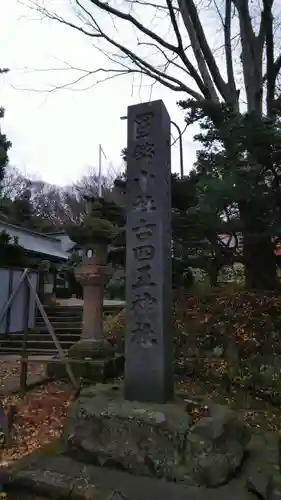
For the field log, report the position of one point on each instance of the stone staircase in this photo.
(67, 323)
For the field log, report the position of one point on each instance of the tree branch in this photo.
(228, 51)
(210, 91)
(277, 66)
(268, 23)
(170, 61)
(150, 4)
(180, 51)
(127, 17)
(205, 48)
(143, 66)
(252, 51)
(153, 72)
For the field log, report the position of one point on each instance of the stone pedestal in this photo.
(157, 440)
(90, 360)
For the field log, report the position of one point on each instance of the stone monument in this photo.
(149, 347)
(138, 428)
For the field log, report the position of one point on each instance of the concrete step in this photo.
(58, 325)
(38, 337)
(73, 310)
(59, 331)
(61, 317)
(70, 317)
(57, 317)
(42, 344)
(78, 310)
(36, 352)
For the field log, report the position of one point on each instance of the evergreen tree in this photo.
(238, 171)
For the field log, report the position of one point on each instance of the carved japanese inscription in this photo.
(148, 373)
(143, 125)
(143, 302)
(144, 334)
(145, 203)
(144, 252)
(144, 230)
(144, 151)
(143, 277)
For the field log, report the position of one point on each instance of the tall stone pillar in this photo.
(149, 341)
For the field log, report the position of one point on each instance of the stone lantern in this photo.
(94, 236)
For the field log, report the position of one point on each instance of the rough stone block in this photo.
(98, 362)
(260, 484)
(91, 349)
(217, 445)
(53, 484)
(98, 370)
(154, 439)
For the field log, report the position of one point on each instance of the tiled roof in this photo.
(35, 242)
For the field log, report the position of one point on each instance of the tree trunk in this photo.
(260, 265)
(258, 255)
(214, 273)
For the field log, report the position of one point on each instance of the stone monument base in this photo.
(152, 444)
(92, 360)
(62, 478)
(156, 440)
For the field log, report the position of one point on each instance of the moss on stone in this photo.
(91, 349)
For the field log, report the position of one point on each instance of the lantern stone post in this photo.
(93, 275)
(97, 354)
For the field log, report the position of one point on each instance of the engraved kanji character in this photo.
(144, 252)
(144, 334)
(144, 277)
(144, 150)
(144, 203)
(143, 180)
(143, 302)
(143, 125)
(144, 231)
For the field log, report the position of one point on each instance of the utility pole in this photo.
(101, 151)
(181, 147)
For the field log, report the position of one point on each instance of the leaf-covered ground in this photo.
(10, 372)
(262, 416)
(231, 339)
(38, 420)
(220, 330)
(40, 416)
(252, 319)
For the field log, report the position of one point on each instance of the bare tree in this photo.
(212, 51)
(183, 59)
(14, 184)
(89, 182)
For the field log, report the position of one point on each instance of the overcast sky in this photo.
(56, 135)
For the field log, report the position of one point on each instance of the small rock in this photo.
(218, 445)
(260, 484)
(213, 469)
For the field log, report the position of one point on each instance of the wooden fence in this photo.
(21, 312)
